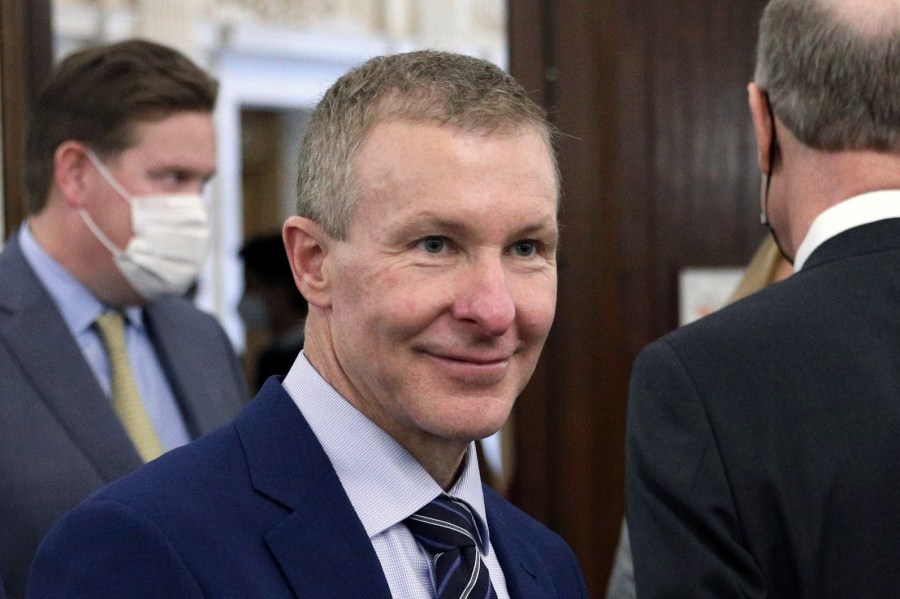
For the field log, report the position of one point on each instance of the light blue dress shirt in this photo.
(385, 483)
(79, 309)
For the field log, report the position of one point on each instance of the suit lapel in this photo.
(324, 551)
(195, 388)
(51, 361)
(322, 547)
(189, 388)
(525, 573)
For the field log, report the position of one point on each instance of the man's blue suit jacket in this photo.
(256, 510)
(60, 439)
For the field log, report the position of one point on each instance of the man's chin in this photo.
(479, 425)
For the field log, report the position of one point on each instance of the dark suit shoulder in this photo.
(761, 439)
(514, 518)
(212, 475)
(211, 461)
(848, 283)
(515, 533)
(170, 528)
(745, 319)
(818, 316)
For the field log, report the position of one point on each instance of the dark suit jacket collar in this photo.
(50, 359)
(288, 466)
(525, 572)
(321, 546)
(879, 236)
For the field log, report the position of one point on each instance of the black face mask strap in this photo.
(773, 156)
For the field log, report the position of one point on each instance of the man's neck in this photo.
(820, 180)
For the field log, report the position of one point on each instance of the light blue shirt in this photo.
(79, 309)
(385, 483)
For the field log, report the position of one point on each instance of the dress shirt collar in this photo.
(76, 303)
(384, 482)
(854, 212)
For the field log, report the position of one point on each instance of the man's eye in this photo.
(525, 248)
(433, 244)
(176, 178)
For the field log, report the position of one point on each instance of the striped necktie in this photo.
(125, 396)
(446, 530)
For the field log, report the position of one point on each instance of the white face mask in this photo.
(170, 241)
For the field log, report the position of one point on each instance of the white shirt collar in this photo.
(383, 480)
(853, 212)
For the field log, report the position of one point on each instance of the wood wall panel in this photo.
(703, 158)
(658, 168)
(588, 321)
(533, 413)
(25, 59)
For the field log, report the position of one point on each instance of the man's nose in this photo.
(485, 297)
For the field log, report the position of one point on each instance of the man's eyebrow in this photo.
(200, 173)
(431, 220)
(539, 228)
(443, 224)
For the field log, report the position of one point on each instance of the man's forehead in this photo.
(185, 138)
(410, 132)
(150, 125)
(499, 128)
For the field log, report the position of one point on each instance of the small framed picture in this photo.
(702, 291)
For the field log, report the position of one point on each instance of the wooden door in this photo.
(658, 169)
(25, 58)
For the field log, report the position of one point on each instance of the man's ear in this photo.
(71, 173)
(762, 125)
(307, 245)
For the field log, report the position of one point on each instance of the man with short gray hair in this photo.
(425, 244)
(763, 440)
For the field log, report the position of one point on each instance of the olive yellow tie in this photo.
(125, 397)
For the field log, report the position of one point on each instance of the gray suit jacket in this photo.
(59, 437)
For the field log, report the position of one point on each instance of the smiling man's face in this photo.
(443, 293)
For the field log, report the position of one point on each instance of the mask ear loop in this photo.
(100, 235)
(88, 219)
(774, 155)
(108, 176)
